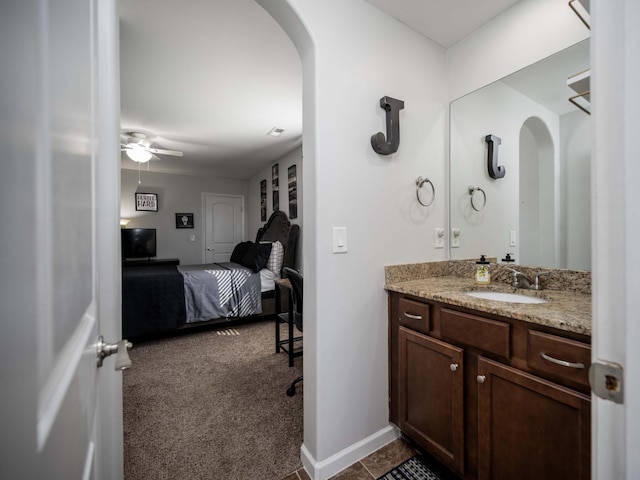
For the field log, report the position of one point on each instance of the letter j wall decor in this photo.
(389, 145)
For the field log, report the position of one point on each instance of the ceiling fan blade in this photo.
(155, 157)
(165, 152)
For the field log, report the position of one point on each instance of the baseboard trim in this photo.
(348, 456)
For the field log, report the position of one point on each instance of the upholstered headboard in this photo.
(279, 228)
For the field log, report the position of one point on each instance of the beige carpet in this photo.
(210, 406)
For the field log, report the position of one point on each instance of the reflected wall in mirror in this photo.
(539, 212)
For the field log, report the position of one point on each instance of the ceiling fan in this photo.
(138, 148)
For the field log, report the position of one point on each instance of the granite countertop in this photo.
(568, 310)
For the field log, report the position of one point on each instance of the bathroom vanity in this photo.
(492, 389)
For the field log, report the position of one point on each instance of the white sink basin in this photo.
(506, 297)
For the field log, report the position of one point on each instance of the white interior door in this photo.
(49, 243)
(615, 75)
(224, 226)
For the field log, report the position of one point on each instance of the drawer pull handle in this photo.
(561, 362)
(453, 367)
(413, 317)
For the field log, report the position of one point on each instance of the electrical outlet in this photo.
(192, 238)
(455, 238)
(439, 238)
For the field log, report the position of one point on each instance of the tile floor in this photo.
(371, 467)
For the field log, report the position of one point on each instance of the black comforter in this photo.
(152, 300)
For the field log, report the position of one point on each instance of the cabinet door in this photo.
(431, 407)
(530, 428)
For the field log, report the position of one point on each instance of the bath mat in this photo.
(412, 469)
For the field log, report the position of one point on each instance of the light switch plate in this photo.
(512, 238)
(339, 239)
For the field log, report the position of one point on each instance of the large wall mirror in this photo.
(539, 211)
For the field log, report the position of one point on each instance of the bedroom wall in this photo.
(176, 194)
(253, 196)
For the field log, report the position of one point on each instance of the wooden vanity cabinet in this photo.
(431, 403)
(530, 428)
(472, 392)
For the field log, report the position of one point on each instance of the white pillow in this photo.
(276, 257)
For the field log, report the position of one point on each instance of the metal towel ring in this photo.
(419, 184)
(473, 190)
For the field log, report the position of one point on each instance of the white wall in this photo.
(176, 194)
(360, 55)
(527, 32)
(253, 196)
(575, 132)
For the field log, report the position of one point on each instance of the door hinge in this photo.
(607, 380)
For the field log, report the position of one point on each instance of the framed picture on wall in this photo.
(293, 192)
(147, 202)
(275, 187)
(184, 220)
(263, 200)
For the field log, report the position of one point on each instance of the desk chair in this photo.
(296, 311)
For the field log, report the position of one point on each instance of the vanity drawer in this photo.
(488, 335)
(560, 357)
(415, 315)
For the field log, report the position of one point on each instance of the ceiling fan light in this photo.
(138, 154)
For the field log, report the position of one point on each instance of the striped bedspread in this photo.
(220, 290)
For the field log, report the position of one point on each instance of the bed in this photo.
(166, 298)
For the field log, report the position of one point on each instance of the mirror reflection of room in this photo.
(539, 211)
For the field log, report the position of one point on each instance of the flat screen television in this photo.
(138, 243)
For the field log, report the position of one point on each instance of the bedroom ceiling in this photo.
(210, 78)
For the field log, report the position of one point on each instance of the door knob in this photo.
(209, 249)
(481, 378)
(453, 367)
(120, 349)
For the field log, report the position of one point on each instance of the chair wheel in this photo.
(291, 391)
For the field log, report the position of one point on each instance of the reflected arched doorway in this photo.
(537, 202)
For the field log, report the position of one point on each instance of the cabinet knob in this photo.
(481, 378)
(453, 367)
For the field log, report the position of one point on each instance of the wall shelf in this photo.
(582, 9)
(581, 84)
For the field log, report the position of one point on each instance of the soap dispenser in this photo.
(508, 259)
(483, 277)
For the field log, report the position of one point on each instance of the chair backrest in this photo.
(296, 288)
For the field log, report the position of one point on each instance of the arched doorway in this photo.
(537, 202)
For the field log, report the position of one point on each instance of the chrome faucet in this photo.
(520, 280)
